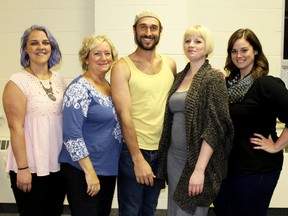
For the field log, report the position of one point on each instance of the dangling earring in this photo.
(27, 58)
(86, 67)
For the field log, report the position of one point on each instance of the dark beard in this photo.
(142, 45)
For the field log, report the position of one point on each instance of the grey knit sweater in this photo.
(207, 117)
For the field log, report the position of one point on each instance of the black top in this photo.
(266, 100)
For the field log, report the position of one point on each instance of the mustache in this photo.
(148, 37)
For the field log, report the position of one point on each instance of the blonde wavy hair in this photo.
(91, 41)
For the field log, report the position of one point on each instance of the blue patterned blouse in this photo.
(90, 127)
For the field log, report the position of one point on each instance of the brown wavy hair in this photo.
(261, 64)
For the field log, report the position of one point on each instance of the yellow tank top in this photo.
(148, 97)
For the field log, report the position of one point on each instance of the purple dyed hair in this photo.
(56, 55)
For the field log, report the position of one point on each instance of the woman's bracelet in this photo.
(23, 168)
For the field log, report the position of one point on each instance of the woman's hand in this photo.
(93, 184)
(262, 143)
(196, 183)
(92, 181)
(24, 180)
(221, 73)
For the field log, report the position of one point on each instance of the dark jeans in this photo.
(80, 203)
(136, 199)
(247, 195)
(45, 198)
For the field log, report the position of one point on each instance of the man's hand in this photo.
(143, 172)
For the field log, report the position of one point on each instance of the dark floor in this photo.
(271, 212)
(160, 212)
(10, 209)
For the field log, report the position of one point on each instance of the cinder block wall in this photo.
(71, 20)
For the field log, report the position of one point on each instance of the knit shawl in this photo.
(207, 117)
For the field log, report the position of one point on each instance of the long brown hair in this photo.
(261, 64)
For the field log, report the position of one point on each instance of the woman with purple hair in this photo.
(32, 101)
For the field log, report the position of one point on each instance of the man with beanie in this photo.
(140, 85)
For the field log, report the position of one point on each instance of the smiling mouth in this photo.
(102, 65)
(240, 61)
(148, 40)
(40, 54)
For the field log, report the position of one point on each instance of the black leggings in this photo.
(79, 201)
(45, 198)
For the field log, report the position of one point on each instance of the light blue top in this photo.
(90, 127)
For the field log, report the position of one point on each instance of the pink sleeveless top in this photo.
(43, 123)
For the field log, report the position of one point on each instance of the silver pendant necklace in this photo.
(49, 91)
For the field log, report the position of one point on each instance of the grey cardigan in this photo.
(207, 117)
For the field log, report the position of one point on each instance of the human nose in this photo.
(191, 44)
(103, 56)
(239, 54)
(40, 46)
(148, 31)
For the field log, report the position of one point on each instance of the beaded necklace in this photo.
(49, 91)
